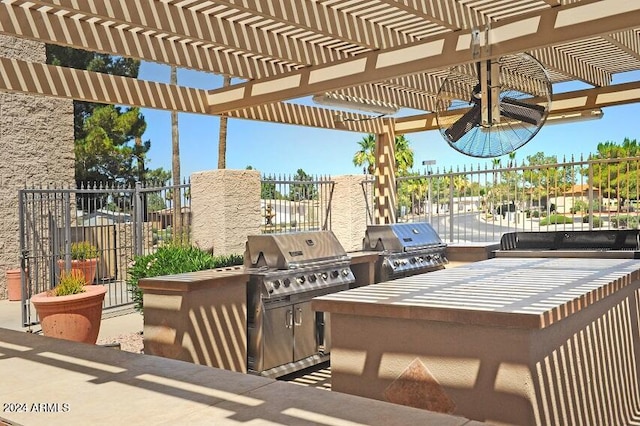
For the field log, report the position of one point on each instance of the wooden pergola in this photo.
(376, 51)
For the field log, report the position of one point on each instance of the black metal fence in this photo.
(482, 203)
(119, 222)
(295, 203)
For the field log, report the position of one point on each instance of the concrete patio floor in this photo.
(50, 381)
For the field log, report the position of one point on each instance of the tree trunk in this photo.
(139, 158)
(175, 168)
(222, 137)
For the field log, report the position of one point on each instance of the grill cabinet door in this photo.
(278, 336)
(304, 331)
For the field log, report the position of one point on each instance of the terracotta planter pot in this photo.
(14, 284)
(88, 268)
(75, 317)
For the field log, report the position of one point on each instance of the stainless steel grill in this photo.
(285, 272)
(615, 244)
(407, 249)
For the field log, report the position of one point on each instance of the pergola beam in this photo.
(49, 80)
(535, 31)
(185, 23)
(567, 64)
(395, 96)
(63, 29)
(451, 15)
(320, 19)
(563, 103)
(626, 41)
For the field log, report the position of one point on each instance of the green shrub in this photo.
(83, 250)
(597, 221)
(579, 206)
(625, 221)
(535, 214)
(173, 259)
(70, 283)
(556, 219)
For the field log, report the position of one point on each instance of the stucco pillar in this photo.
(225, 207)
(349, 211)
(36, 136)
(385, 175)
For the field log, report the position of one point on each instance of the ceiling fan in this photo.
(493, 107)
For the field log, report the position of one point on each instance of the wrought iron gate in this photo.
(121, 222)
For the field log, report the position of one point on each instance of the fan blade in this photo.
(522, 111)
(467, 122)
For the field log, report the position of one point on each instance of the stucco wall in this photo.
(349, 211)
(225, 208)
(36, 136)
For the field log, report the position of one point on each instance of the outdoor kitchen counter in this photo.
(519, 341)
(199, 317)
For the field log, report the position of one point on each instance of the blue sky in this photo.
(282, 149)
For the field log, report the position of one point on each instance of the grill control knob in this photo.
(312, 278)
(300, 279)
(287, 282)
(324, 275)
(345, 272)
(276, 284)
(334, 274)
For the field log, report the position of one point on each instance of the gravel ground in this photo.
(131, 342)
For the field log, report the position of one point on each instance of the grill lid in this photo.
(398, 237)
(293, 250)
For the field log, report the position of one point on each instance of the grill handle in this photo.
(288, 321)
(298, 318)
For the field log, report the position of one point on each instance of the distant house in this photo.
(105, 217)
(162, 219)
(467, 204)
(566, 200)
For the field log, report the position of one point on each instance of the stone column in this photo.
(36, 136)
(225, 208)
(349, 211)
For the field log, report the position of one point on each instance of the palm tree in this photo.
(366, 155)
(222, 136)
(404, 155)
(461, 184)
(175, 162)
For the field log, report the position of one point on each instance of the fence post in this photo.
(590, 206)
(66, 196)
(451, 207)
(138, 220)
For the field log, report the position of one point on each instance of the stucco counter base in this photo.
(199, 317)
(509, 341)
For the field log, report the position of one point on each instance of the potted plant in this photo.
(71, 310)
(84, 258)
